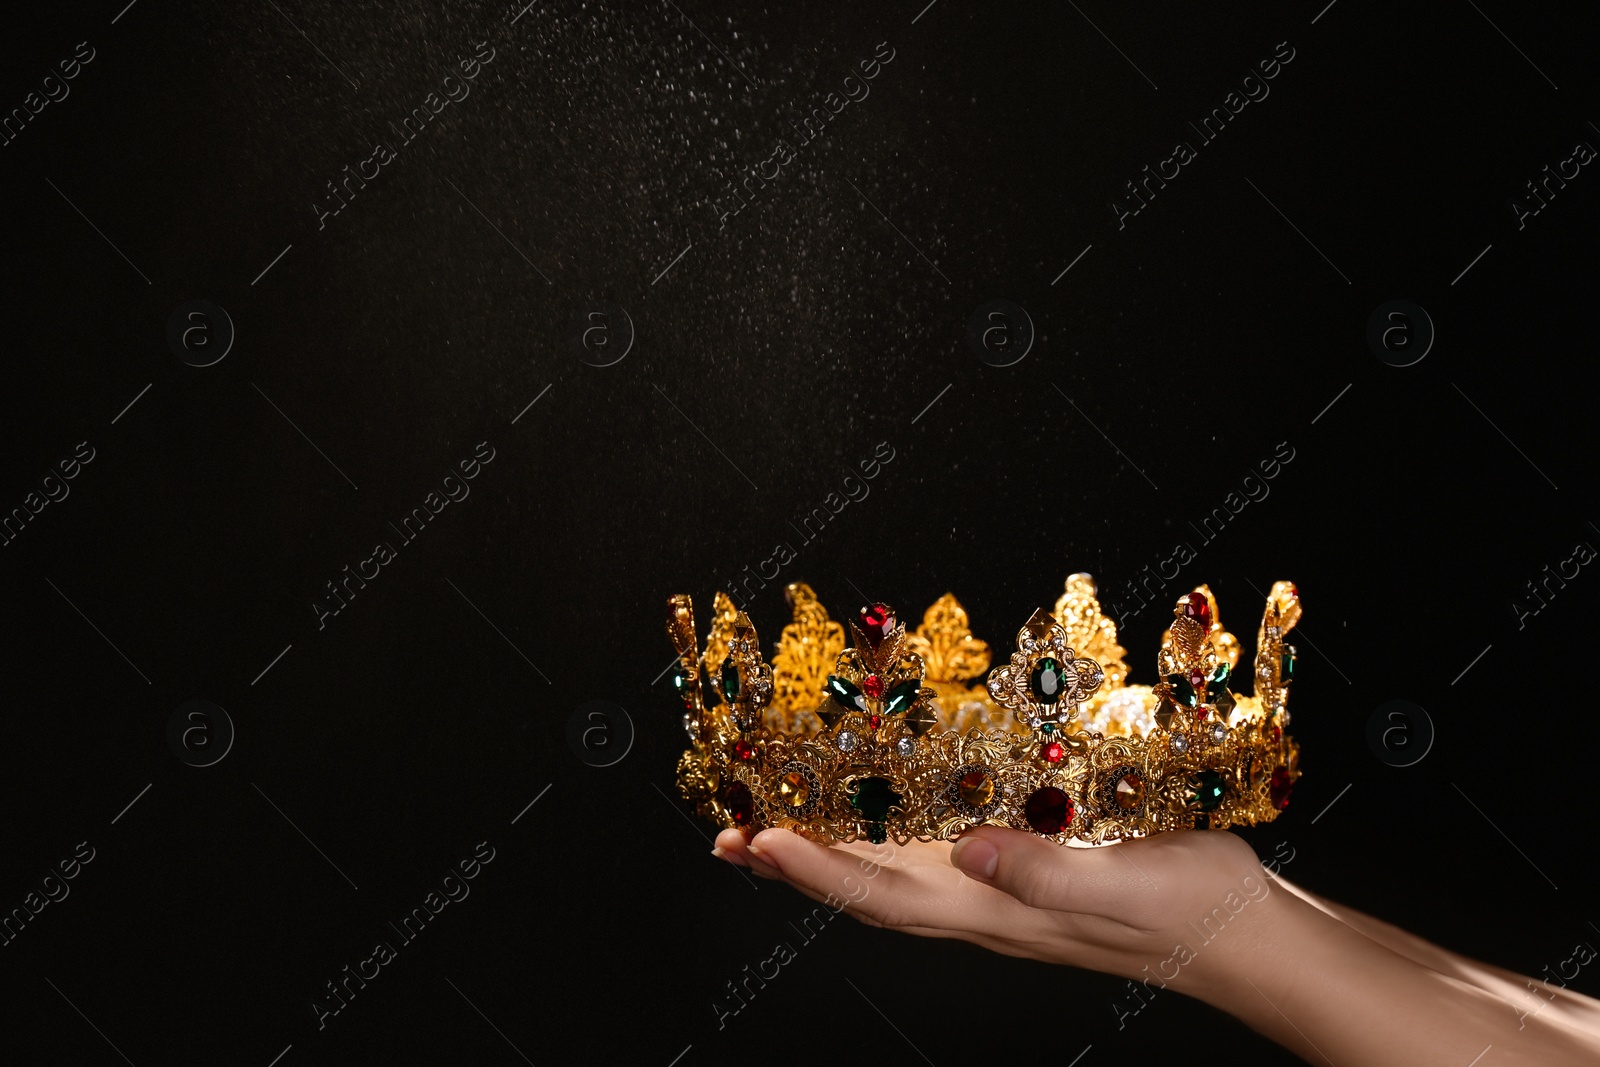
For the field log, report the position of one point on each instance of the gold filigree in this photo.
(946, 645)
(724, 618)
(1091, 632)
(806, 650)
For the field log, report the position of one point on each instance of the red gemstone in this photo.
(1049, 810)
(1277, 733)
(1195, 606)
(873, 686)
(1197, 679)
(744, 750)
(1201, 712)
(877, 622)
(1280, 787)
(740, 804)
(1293, 590)
(874, 721)
(1053, 752)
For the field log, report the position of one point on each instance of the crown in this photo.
(897, 735)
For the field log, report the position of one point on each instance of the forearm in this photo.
(1332, 994)
(1526, 997)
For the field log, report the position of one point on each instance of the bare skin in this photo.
(1196, 912)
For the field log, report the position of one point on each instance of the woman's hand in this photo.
(1194, 911)
(1177, 908)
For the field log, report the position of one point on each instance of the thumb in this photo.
(1041, 873)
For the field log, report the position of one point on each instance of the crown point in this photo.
(877, 622)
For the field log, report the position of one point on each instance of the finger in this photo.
(732, 846)
(1042, 874)
(927, 897)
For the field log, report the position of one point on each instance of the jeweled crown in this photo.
(896, 737)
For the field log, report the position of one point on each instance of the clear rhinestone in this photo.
(1283, 715)
(846, 741)
(1180, 744)
(1264, 671)
(1219, 733)
(1272, 632)
(1059, 642)
(1027, 644)
(691, 727)
(905, 746)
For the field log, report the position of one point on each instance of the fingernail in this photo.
(764, 856)
(729, 857)
(975, 856)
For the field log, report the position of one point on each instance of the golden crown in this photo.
(896, 736)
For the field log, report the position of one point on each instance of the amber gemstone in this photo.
(877, 622)
(740, 804)
(976, 787)
(1195, 606)
(1053, 752)
(1280, 787)
(872, 685)
(1048, 810)
(744, 750)
(1130, 791)
(794, 789)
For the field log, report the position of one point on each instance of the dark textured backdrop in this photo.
(377, 347)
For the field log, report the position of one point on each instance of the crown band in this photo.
(896, 737)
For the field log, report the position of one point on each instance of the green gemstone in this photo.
(730, 681)
(877, 833)
(1286, 666)
(1048, 681)
(1209, 790)
(1220, 675)
(1047, 728)
(901, 697)
(1182, 691)
(874, 797)
(847, 694)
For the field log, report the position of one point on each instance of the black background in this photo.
(770, 358)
